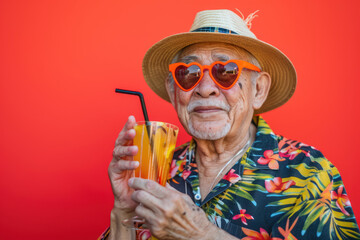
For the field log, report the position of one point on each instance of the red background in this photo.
(60, 62)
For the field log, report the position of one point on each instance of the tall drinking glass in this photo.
(156, 142)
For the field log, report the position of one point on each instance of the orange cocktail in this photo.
(156, 142)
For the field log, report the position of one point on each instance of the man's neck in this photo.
(212, 155)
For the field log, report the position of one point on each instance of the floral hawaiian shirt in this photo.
(279, 189)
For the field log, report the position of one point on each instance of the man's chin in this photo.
(209, 133)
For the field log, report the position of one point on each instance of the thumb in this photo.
(187, 198)
(168, 186)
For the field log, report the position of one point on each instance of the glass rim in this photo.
(147, 123)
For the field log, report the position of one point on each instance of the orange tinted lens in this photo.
(225, 75)
(187, 77)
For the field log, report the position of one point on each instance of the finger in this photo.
(125, 165)
(162, 201)
(187, 198)
(148, 192)
(126, 135)
(122, 151)
(155, 222)
(144, 212)
(149, 201)
(126, 138)
(168, 186)
(130, 123)
(159, 212)
(149, 186)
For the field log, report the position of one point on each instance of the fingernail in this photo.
(136, 163)
(130, 182)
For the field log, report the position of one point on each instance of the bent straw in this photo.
(148, 126)
(141, 96)
(143, 106)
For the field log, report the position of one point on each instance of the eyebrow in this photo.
(193, 58)
(188, 59)
(220, 57)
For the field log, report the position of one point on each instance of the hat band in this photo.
(214, 29)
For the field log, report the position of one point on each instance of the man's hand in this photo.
(171, 214)
(121, 166)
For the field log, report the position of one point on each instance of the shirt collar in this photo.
(263, 154)
(265, 148)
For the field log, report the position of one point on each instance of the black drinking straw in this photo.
(147, 123)
(141, 96)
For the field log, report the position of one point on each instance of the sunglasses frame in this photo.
(240, 63)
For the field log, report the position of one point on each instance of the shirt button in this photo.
(197, 196)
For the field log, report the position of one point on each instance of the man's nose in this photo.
(206, 87)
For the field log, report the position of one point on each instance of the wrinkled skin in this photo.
(121, 166)
(209, 118)
(169, 213)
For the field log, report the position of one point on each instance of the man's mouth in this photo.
(207, 109)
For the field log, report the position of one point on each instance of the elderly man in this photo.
(236, 179)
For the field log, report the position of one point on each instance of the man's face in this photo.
(208, 111)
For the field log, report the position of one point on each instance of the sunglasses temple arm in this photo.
(140, 95)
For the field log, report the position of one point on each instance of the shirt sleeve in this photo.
(322, 211)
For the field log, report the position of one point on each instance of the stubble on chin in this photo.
(208, 133)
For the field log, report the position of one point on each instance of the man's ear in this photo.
(262, 87)
(170, 90)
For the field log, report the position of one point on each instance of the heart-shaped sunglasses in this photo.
(224, 74)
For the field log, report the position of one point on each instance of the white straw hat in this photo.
(222, 26)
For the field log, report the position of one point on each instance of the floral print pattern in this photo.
(232, 177)
(342, 200)
(261, 235)
(277, 185)
(243, 216)
(271, 159)
(279, 189)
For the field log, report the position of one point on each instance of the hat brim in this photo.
(283, 75)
